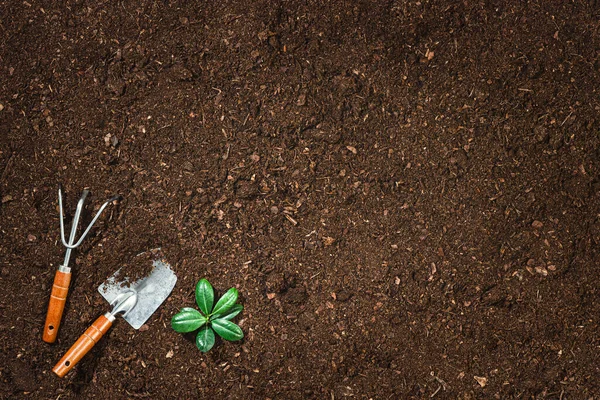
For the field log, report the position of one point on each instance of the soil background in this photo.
(406, 194)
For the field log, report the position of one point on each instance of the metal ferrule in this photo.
(64, 268)
(110, 317)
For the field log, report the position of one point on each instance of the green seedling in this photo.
(211, 319)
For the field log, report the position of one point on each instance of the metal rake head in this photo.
(71, 244)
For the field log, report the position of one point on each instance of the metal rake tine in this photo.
(70, 244)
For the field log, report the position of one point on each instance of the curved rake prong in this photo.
(78, 210)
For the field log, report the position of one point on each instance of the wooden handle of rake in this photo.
(82, 346)
(56, 306)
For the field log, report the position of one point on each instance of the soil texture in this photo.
(406, 194)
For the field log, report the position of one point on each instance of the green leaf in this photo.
(225, 302)
(233, 311)
(205, 296)
(227, 329)
(205, 339)
(187, 320)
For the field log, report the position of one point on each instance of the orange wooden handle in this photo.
(56, 306)
(81, 347)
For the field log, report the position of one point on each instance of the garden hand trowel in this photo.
(135, 301)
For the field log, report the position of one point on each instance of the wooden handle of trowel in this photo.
(58, 298)
(82, 346)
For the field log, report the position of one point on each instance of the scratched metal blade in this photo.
(151, 291)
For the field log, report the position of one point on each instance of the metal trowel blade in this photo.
(151, 291)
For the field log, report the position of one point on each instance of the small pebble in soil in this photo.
(537, 224)
(481, 380)
(328, 240)
(530, 262)
(31, 238)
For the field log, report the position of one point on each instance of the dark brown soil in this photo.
(406, 194)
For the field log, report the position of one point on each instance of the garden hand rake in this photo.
(60, 287)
